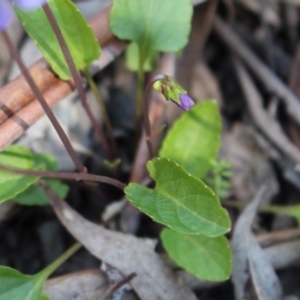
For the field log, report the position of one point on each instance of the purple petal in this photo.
(6, 14)
(185, 102)
(29, 4)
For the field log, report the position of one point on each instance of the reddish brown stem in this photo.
(76, 76)
(146, 111)
(66, 175)
(45, 106)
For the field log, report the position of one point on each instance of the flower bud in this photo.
(171, 89)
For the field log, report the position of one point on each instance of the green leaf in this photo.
(13, 184)
(154, 25)
(79, 37)
(45, 161)
(205, 257)
(194, 140)
(17, 286)
(35, 195)
(19, 187)
(180, 201)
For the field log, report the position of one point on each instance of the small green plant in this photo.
(151, 26)
(219, 177)
(195, 221)
(182, 201)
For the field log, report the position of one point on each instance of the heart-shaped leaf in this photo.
(194, 140)
(79, 37)
(205, 257)
(180, 201)
(154, 25)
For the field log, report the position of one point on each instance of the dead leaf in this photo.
(241, 147)
(125, 252)
(249, 260)
(89, 284)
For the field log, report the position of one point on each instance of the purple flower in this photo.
(6, 14)
(29, 4)
(6, 11)
(185, 102)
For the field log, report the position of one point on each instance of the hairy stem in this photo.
(44, 104)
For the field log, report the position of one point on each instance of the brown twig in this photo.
(17, 94)
(263, 120)
(275, 237)
(31, 112)
(201, 28)
(18, 99)
(266, 76)
(117, 285)
(44, 104)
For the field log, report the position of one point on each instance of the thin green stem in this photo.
(14, 53)
(60, 260)
(140, 91)
(263, 208)
(102, 109)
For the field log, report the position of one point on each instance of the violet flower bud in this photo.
(185, 102)
(6, 10)
(171, 89)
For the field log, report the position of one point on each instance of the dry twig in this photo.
(263, 120)
(265, 75)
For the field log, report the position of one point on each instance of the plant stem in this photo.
(263, 208)
(60, 260)
(44, 104)
(103, 110)
(66, 175)
(146, 112)
(76, 76)
(140, 89)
